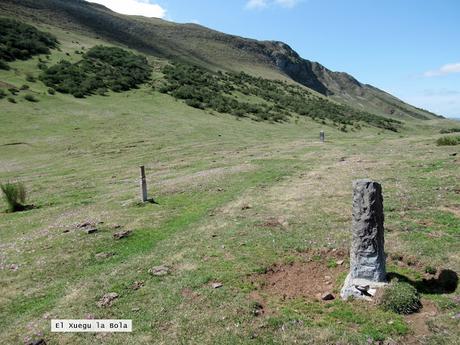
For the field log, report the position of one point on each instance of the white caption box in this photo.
(91, 326)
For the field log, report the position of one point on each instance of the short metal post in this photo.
(143, 184)
(321, 136)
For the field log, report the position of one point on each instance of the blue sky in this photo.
(409, 48)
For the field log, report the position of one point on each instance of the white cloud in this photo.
(253, 4)
(287, 3)
(134, 7)
(444, 70)
(259, 4)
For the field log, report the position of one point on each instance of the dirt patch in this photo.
(418, 323)
(200, 178)
(455, 209)
(316, 274)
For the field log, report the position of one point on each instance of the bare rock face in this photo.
(367, 256)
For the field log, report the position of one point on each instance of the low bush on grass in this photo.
(2, 94)
(14, 195)
(11, 100)
(449, 130)
(448, 141)
(401, 298)
(20, 41)
(264, 99)
(30, 98)
(101, 68)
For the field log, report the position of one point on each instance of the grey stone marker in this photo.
(321, 136)
(143, 184)
(367, 256)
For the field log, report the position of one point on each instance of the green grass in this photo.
(79, 159)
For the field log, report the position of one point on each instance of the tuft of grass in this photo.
(401, 298)
(448, 141)
(15, 196)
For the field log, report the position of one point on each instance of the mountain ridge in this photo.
(214, 50)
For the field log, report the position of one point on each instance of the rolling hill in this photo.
(211, 49)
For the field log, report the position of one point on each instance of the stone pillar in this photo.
(367, 256)
(321, 136)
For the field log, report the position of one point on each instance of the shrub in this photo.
(101, 68)
(51, 91)
(22, 41)
(4, 65)
(30, 78)
(30, 98)
(430, 270)
(401, 298)
(448, 141)
(11, 100)
(25, 87)
(14, 195)
(14, 91)
(2, 94)
(449, 130)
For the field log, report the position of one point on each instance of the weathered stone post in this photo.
(367, 256)
(321, 136)
(143, 184)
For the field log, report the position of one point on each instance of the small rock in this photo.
(137, 285)
(121, 234)
(217, 285)
(220, 189)
(339, 262)
(159, 271)
(104, 255)
(107, 299)
(246, 207)
(327, 296)
(327, 277)
(83, 225)
(136, 309)
(65, 231)
(37, 342)
(14, 267)
(90, 230)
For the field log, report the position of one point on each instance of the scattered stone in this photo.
(37, 342)
(220, 189)
(90, 230)
(367, 256)
(107, 299)
(159, 271)
(84, 225)
(65, 231)
(104, 255)
(339, 262)
(121, 234)
(328, 296)
(135, 309)
(246, 207)
(137, 285)
(217, 285)
(14, 267)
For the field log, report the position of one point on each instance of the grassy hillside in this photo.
(211, 49)
(239, 202)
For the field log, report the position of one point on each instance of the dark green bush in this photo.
(30, 78)
(14, 91)
(449, 130)
(448, 141)
(203, 89)
(20, 41)
(51, 91)
(11, 100)
(14, 195)
(101, 68)
(401, 298)
(2, 94)
(30, 98)
(25, 87)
